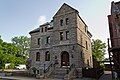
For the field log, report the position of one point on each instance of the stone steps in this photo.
(59, 73)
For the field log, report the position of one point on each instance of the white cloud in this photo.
(41, 20)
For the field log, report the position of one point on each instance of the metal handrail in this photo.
(71, 66)
(47, 69)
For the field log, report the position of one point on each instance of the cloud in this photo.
(41, 20)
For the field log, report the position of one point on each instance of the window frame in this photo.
(67, 21)
(47, 56)
(48, 40)
(61, 22)
(42, 29)
(61, 36)
(38, 56)
(38, 41)
(46, 29)
(67, 35)
(86, 45)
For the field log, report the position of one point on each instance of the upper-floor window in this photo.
(48, 40)
(81, 54)
(67, 35)
(37, 56)
(47, 56)
(61, 22)
(61, 35)
(85, 29)
(88, 62)
(67, 21)
(45, 29)
(42, 29)
(38, 41)
(86, 45)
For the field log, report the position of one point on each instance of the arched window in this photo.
(47, 56)
(37, 56)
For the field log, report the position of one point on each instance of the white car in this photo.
(21, 66)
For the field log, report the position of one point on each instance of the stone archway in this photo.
(65, 58)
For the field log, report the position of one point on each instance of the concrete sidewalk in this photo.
(106, 76)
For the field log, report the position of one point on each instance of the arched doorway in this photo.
(64, 58)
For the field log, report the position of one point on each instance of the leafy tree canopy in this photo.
(98, 49)
(23, 44)
(9, 53)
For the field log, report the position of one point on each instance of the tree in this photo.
(23, 44)
(9, 54)
(98, 49)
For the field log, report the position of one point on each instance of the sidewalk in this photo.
(106, 76)
(23, 78)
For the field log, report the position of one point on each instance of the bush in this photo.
(34, 70)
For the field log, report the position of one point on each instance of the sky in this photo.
(19, 17)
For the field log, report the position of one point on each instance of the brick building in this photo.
(114, 29)
(65, 40)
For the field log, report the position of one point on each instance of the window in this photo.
(42, 29)
(48, 40)
(85, 28)
(38, 41)
(86, 45)
(45, 29)
(61, 22)
(90, 60)
(67, 21)
(67, 35)
(47, 56)
(38, 72)
(61, 35)
(37, 56)
(81, 55)
(87, 62)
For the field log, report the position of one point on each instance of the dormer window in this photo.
(45, 29)
(61, 22)
(67, 21)
(42, 29)
(48, 40)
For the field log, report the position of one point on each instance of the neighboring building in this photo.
(64, 41)
(114, 29)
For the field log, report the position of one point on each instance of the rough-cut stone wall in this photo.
(82, 38)
(75, 45)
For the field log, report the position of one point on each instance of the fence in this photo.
(92, 72)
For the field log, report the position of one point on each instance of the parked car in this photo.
(21, 66)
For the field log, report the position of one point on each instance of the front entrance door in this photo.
(64, 58)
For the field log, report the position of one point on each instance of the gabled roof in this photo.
(47, 23)
(35, 30)
(65, 8)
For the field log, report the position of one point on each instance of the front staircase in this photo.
(59, 73)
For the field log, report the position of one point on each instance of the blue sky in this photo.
(19, 17)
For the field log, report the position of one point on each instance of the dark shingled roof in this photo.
(35, 30)
(47, 23)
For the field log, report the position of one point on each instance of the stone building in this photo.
(63, 41)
